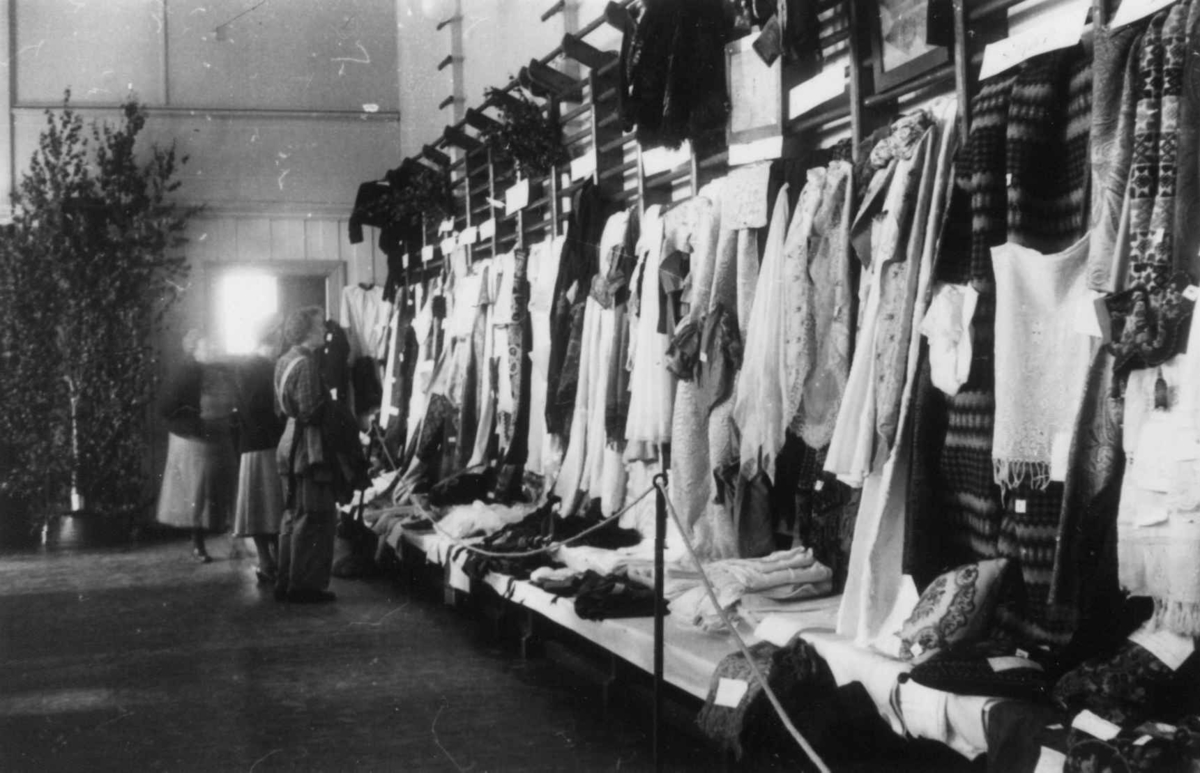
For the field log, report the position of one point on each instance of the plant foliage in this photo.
(88, 268)
(526, 135)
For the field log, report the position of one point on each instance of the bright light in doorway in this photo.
(245, 300)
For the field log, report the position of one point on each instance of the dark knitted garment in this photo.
(798, 676)
(673, 72)
(1046, 149)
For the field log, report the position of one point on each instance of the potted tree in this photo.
(88, 268)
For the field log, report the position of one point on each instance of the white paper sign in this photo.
(448, 244)
(1095, 725)
(777, 630)
(487, 229)
(446, 226)
(1060, 455)
(427, 253)
(469, 235)
(1009, 663)
(1155, 464)
(1132, 10)
(766, 149)
(1171, 648)
(730, 692)
(584, 166)
(816, 91)
(516, 197)
(1087, 315)
(458, 579)
(1065, 30)
(658, 160)
(1050, 761)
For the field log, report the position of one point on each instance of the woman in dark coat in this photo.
(306, 535)
(189, 498)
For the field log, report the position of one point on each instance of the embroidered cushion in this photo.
(955, 609)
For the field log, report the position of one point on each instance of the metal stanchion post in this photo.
(660, 539)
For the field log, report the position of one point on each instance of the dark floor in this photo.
(136, 659)
(133, 658)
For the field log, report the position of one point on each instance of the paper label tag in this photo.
(1132, 10)
(1095, 725)
(1021, 506)
(584, 166)
(658, 160)
(1171, 648)
(1060, 455)
(1191, 292)
(487, 229)
(818, 485)
(405, 260)
(1143, 740)
(1009, 663)
(730, 692)
(446, 226)
(469, 235)
(1155, 465)
(765, 149)
(517, 197)
(1050, 761)
(427, 253)
(1065, 31)
(496, 203)
(816, 91)
(448, 244)
(777, 630)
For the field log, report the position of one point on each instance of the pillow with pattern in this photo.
(956, 608)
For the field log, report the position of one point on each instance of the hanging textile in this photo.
(873, 576)
(585, 450)
(651, 385)
(1158, 547)
(1041, 361)
(691, 476)
(822, 326)
(544, 258)
(1149, 317)
(886, 297)
(589, 212)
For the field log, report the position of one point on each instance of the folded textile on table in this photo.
(785, 574)
(604, 597)
(480, 518)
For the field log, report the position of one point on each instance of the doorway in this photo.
(244, 297)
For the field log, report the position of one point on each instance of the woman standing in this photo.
(259, 508)
(188, 498)
(306, 534)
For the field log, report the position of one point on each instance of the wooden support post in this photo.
(858, 74)
(660, 539)
(962, 67)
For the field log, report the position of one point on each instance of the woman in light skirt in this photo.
(260, 503)
(189, 498)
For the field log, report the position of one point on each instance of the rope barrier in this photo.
(758, 675)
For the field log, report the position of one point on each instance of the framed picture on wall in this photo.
(899, 42)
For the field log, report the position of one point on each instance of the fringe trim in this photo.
(1011, 473)
(1181, 617)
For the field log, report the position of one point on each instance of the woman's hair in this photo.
(301, 323)
(192, 339)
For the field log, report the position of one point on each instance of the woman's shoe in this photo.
(264, 577)
(201, 556)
